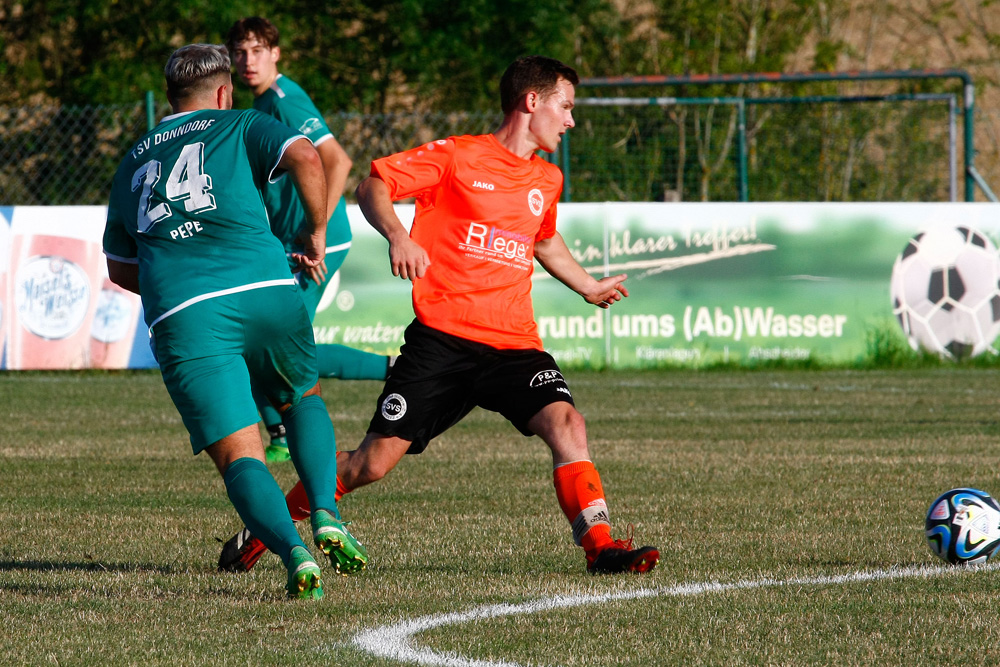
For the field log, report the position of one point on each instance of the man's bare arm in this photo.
(407, 259)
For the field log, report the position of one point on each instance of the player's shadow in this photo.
(89, 566)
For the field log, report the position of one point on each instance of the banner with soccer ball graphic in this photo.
(946, 291)
(708, 283)
(743, 283)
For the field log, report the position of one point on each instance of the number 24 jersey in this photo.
(186, 206)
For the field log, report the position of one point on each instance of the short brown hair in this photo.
(537, 73)
(256, 26)
(193, 69)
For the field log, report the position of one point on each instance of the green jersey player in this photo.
(253, 43)
(187, 230)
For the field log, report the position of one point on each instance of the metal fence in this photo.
(68, 155)
(893, 148)
(812, 148)
(64, 155)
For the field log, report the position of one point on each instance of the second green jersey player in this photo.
(253, 43)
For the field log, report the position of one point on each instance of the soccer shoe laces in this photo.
(626, 544)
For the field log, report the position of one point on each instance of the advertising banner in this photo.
(61, 312)
(708, 283)
(5, 214)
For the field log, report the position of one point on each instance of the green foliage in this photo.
(99, 51)
(389, 54)
(417, 56)
(405, 54)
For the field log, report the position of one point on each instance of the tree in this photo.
(643, 37)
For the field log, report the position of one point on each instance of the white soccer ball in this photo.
(946, 292)
(963, 526)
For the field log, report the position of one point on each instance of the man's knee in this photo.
(370, 462)
(564, 430)
(315, 390)
(558, 419)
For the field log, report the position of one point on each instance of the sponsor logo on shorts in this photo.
(546, 377)
(393, 407)
(536, 201)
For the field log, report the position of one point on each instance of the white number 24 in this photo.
(187, 182)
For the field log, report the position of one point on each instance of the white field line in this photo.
(395, 642)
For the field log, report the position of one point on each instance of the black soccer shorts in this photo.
(438, 379)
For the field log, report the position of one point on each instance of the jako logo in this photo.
(546, 377)
(536, 201)
(483, 186)
(393, 407)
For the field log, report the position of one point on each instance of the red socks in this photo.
(578, 488)
(581, 497)
(298, 503)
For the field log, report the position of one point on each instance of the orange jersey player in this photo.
(485, 209)
(480, 211)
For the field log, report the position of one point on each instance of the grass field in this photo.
(768, 492)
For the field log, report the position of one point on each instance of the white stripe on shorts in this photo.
(225, 292)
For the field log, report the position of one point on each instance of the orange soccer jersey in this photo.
(479, 211)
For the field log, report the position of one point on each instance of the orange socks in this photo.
(341, 490)
(298, 504)
(581, 497)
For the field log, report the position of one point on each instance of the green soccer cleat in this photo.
(277, 451)
(347, 554)
(303, 576)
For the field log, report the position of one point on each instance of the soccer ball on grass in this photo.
(963, 526)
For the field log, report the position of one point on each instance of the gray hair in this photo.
(191, 66)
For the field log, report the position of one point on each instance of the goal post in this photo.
(903, 87)
(604, 138)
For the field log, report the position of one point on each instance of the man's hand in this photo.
(313, 251)
(306, 170)
(317, 273)
(556, 258)
(606, 291)
(408, 259)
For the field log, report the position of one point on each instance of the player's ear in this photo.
(275, 54)
(531, 100)
(223, 98)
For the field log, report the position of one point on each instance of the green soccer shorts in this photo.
(209, 351)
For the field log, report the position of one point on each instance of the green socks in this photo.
(347, 363)
(313, 448)
(261, 504)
